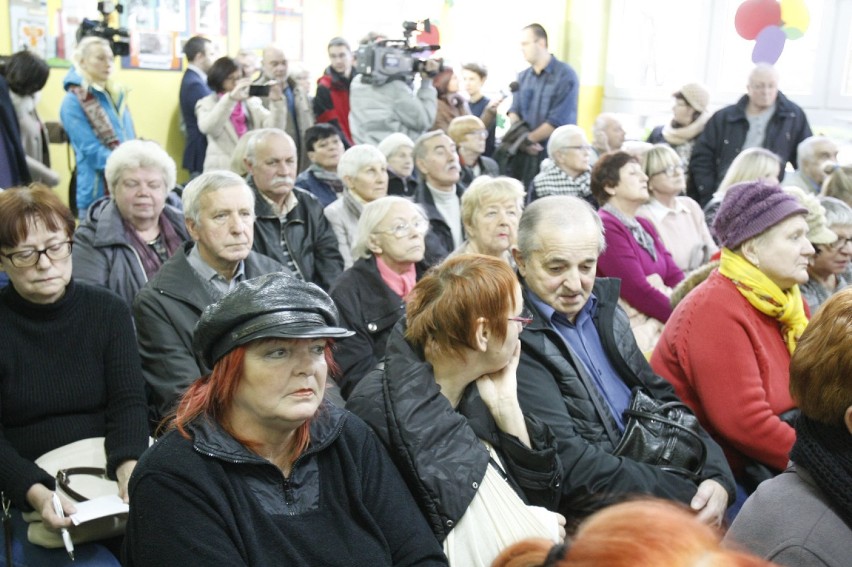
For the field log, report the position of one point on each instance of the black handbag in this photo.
(662, 434)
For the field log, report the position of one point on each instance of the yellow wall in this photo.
(153, 98)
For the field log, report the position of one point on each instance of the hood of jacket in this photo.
(72, 79)
(104, 218)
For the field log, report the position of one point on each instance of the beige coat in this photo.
(214, 113)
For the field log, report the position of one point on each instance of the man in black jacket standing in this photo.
(579, 363)
(763, 117)
(290, 226)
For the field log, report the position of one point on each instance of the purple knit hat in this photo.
(751, 208)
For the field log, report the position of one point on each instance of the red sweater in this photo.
(729, 363)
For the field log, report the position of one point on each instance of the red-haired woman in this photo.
(69, 370)
(258, 470)
(445, 403)
(650, 533)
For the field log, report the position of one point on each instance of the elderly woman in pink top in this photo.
(678, 219)
(634, 252)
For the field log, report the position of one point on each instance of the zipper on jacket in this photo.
(289, 498)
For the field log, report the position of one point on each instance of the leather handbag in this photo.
(79, 468)
(662, 434)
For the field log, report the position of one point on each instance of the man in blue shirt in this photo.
(579, 363)
(547, 94)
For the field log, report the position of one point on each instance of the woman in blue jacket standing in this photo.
(94, 113)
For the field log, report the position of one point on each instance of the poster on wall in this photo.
(28, 22)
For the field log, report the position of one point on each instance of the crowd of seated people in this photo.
(489, 325)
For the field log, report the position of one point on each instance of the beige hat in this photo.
(818, 231)
(696, 96)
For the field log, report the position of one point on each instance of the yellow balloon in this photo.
(795, 14)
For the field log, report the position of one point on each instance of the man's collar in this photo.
(197, 69)
(290, 202)
(548, 68)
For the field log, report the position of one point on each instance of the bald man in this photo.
(300, 116)
(763, 117)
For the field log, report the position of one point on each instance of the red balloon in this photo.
(754, 15)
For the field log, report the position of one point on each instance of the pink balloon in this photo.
(754, 15)
(768, 45)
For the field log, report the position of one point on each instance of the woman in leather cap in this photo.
(258, 469)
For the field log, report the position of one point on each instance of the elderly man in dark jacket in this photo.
(219, 210)
(579, 363)
(290, 226)
(762, 118)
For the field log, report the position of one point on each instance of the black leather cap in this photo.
(274, 305)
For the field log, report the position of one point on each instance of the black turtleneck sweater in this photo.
(68, 371)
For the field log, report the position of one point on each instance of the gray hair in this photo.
(763, 67)
(357, 157)
(562, 137)
(805, 149)
(259, 136)
(373, 214)
(238, 163)
(601, 122)
(134, 154)
(837, 213)
(420, 143)
(393, 142)
(555, 211)
(209, 182)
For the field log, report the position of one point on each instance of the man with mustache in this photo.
(579, 362)
(439, 193)
(219, 212)
(290, 226)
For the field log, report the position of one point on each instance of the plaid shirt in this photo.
(553, 181)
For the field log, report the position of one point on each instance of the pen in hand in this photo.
(66, 536)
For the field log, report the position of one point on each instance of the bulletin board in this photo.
(157, 28)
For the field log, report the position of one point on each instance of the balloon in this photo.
(795, 14)
(792, 33)
(768, 45)
(754, 15)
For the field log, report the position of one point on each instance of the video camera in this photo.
(395, 59)
(118, 38)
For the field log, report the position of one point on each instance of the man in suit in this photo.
(200, 54)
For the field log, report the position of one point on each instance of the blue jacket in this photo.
(192, 89)
(90, 153)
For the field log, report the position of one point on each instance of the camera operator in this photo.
(377, 111)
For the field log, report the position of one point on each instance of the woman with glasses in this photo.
(634, 251)
(830, 269)
(69, 370)
(469, 134)
(677, 218)
(370, 295)
(445, 404)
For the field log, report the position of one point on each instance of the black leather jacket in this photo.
(310, 238)
(553, 386)
(438, 448)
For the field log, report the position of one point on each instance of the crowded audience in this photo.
(506, 334)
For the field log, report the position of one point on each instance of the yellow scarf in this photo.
(766, 297)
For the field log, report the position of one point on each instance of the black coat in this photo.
(19, 173)
(310, 238)
(488, 167)
(439, 239)
(438, 448)
(210, 501)
(553, 386)
(371, 309)
(723, 138)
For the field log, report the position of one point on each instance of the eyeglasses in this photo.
(478, 133)
(584, 147)
(403, 229)
(27, 258)
(670, 170)
(839, 243)
(525, 318)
